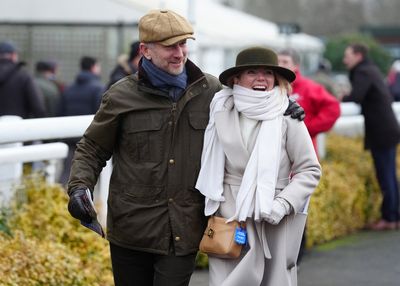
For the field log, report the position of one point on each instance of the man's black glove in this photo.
(80, 205)
(295, 110)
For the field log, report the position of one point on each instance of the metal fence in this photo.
(66, 43)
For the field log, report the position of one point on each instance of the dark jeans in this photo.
(136, 268)
(385, 167)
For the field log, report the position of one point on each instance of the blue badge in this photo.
(240, 235)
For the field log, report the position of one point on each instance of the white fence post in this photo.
(9, 172)
(11, 155)
(51, 128)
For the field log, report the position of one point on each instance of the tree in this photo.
(335, 47)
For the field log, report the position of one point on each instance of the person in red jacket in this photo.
(322, 108)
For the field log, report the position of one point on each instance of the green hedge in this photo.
(347, 197)
(44, 245)
(40, 244)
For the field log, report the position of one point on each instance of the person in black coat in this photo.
(19, 94)
(382, 131)
(126, 65)
(83, 97)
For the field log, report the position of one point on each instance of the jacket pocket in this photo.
(198, 121)
(150, 194)
(144, 138)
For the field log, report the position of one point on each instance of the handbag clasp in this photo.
(210, 233)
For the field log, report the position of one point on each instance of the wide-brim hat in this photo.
(256, 57)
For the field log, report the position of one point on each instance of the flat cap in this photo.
(165, 27)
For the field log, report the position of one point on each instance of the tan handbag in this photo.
(219, 238)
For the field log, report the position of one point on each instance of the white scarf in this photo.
(257, 188)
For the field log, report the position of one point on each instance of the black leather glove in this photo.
(295, 110)
(80, 205)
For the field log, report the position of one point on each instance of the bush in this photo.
(347, 197)
(39, 219)
(29, 261)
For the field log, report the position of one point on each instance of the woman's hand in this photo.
(280, 208)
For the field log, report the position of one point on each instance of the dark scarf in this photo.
(173, 84)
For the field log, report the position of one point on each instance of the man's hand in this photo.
(80, 206)
(295, 110)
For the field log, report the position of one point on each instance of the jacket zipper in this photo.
(173, 121)
(173, 111)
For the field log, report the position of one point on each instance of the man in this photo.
(44, 79)
(322, 108)
(83, 97)
(382, 131)
(153, 124)
(126, 64)
(19, 94)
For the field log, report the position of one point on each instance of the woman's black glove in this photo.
(295, 110)
(80, 205)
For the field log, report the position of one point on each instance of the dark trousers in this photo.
(385, 168)
(64, 177)
(136, 268)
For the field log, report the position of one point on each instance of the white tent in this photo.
(73, 11)
(220, 31)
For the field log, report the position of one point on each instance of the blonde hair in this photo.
(283, 83)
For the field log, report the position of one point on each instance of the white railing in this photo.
(43, 128)
(351, 123)
(13, 154)
(12, 133)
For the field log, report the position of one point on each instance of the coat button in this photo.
(171, 161)
(177, 238)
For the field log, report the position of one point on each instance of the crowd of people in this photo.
(258, 164)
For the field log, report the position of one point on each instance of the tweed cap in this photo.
(164, 27)
(256, 57)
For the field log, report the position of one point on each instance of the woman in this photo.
(260, 167)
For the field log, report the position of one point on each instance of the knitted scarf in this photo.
(173, 84)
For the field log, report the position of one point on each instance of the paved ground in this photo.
(364, 259)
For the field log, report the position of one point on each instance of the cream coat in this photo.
(271, 254)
